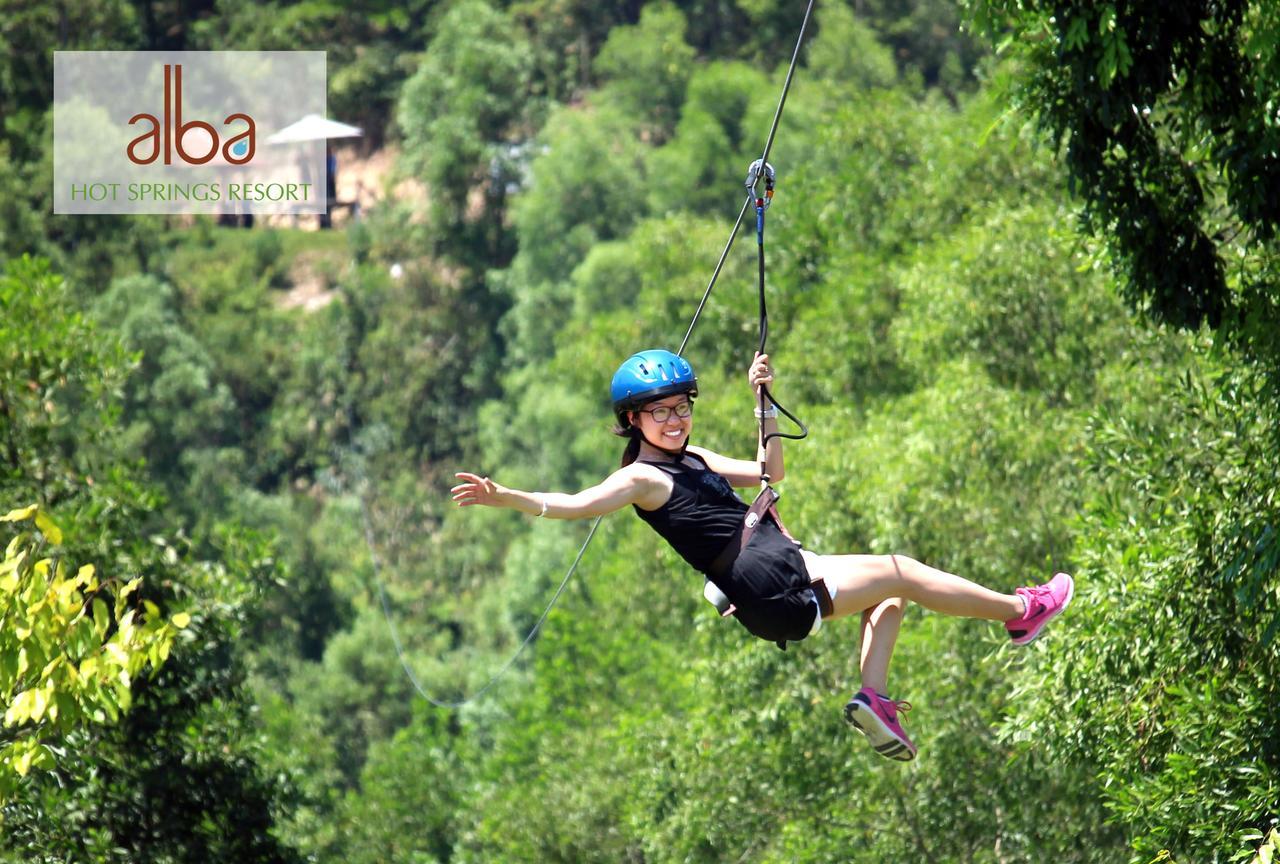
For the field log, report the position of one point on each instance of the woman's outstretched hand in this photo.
(760, 374)
(476, 490)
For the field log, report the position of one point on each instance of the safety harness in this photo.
(764, 506)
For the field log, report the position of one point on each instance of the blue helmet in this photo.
(649, 375)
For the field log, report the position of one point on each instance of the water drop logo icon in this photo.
(240, 149)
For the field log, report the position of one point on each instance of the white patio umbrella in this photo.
(313, 127)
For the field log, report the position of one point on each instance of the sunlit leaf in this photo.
(47, 526)
(20, 514)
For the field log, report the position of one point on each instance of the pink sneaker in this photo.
(1044, 603)
(876, 717)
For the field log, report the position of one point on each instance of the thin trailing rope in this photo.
(364, 510)
(493, 679)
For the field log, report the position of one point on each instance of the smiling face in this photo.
(671, 433)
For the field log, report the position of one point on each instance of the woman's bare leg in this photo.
(880, 627)
(866, 581)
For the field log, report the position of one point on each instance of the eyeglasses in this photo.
(661, 414)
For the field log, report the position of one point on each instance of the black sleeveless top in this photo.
(768, 582)
(702, 515)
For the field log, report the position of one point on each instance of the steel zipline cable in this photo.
(751, 185)
(364, 484)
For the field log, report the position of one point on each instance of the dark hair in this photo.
(632, 451)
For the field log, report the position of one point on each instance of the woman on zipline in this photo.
(686, 494)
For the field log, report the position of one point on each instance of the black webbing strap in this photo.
(761, 507)
(823, 596)
(764, 505)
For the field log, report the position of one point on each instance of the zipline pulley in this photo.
(758, 169)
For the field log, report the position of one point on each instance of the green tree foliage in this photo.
(32, 32)
(179, 778)
(462, 113)
(567, 35)
(174, 780)
(846, 49)
(174, 408)
(369, 46)
(703, 165)
(410, 368)
(87, 247)
(1165, 117)
(387, 823)
(21, 228)
(586, 187)
(645, 68)
(71, 648)
(1056, 327)
(1166, 688)
(926, 40)
(57, 385)
(1169, 139)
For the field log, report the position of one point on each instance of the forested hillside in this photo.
(1022, 283)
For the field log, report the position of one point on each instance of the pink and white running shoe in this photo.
(876, 717)
(1044, 603)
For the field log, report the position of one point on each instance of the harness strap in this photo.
(760, 508)
(823, 596)
(773, 511)
(767, 502)
(764, 505)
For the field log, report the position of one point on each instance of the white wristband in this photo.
(544, 508)
(771, 411)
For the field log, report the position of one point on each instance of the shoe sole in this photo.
(1035, 634)
(882, 739)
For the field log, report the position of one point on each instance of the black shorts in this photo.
(770, 586)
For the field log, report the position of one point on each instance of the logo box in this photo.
(186, 132)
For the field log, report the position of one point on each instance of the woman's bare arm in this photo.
(740, 473)
(633, 484)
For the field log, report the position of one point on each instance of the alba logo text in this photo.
(170, 135)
